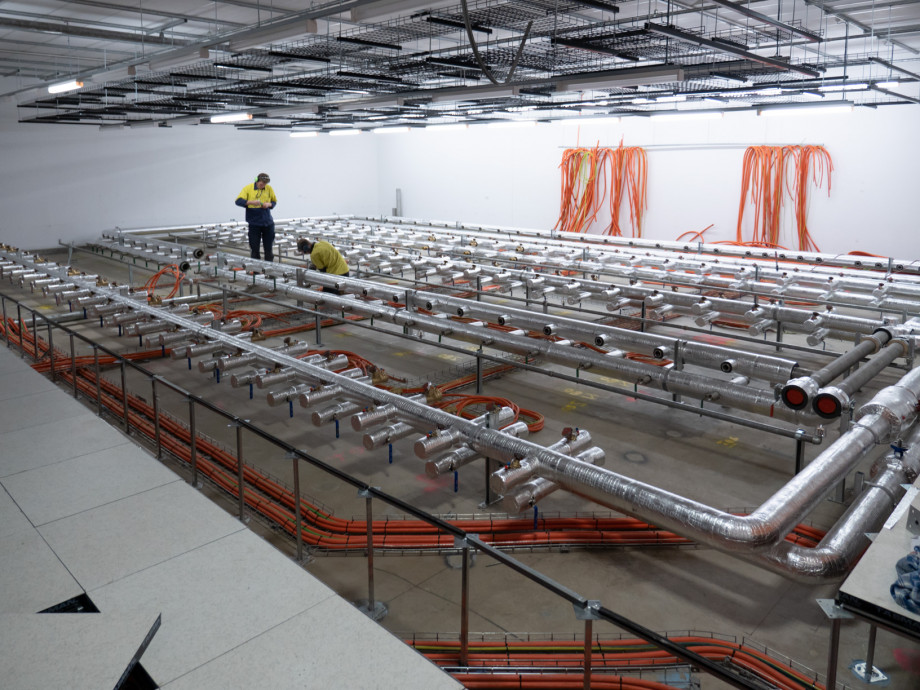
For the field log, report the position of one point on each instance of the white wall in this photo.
(71, 182)
(511, 177)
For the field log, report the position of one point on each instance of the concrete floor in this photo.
(666, 589)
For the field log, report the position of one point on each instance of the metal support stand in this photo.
(864, 669)
(799, 455)
(836, 614)
(370, 607)
(479, 371)
(588, 614)
(318, 329)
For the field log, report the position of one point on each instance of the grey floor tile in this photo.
(27, 449)
(71, 486)
(78, 652)
(12, 519)
(307, 652)
(107, 543)
(10, 361)
(15, 384)
(31, 576)
(38, 410)
(213, 599)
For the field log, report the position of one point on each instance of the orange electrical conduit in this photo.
(610, 655)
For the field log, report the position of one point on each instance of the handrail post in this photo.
(193, 441)
(588, 614)
(239, 470)
(73, 367)
(298, 533)
(464, 602)
(22, 349)
(51, 349)
(156, 417)
(34, 339)
(124, 394)
(376, 610)
(9, 342)
(98, 380)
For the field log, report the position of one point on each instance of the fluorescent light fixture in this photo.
(71, 85)
(303, 135)
(272, 33)
(455, 127)
(344, 132)
(618, 78)
(769, 92)
(844, 87)
(231, 117)
(508, 124)
(390, 130)
(677, 98)
(589, 121)
(681, 115)
(834, 107)
(887, 84)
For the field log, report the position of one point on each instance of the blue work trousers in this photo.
(264, 235)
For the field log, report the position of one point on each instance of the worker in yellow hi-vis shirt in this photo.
(325, 258)
(259, 199)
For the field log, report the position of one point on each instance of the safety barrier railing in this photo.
(466, 544)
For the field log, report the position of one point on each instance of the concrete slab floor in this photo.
(663, 588)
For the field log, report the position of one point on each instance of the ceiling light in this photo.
(511, 123)
(683, 115)
(231, 117)
(769, 92)
(390, 130)
(677, 98)
(447, 128)
(807, 109)
(303, 135)
(728, 77)
(344, 132)
(589, 120)
(71, 85)
(887, 84)
(844, 87)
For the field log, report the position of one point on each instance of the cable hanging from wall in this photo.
(768, 172)
(587, 176)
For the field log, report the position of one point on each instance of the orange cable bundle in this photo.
(173, 270)
(765, 173)
(585, 173)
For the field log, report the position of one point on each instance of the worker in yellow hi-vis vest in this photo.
(325, 258)
(259, 199)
